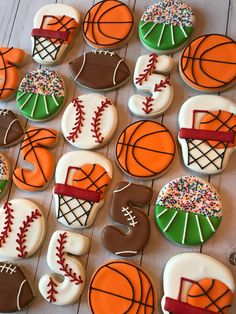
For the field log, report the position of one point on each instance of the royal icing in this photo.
(4, 175)
(55, 26)
(207, 132)
(81, 181)
(89, 121)
(41, 94)
(147, 78)
(62, 249)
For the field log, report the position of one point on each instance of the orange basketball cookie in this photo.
(121, 287)
(108, 25)
(145, 149)
(208, 63)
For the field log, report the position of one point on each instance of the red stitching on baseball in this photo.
(79, 118)
(52, 291)
(163, 84)
(151, 66)
(147, 105)
(62, 260)
(7, 224)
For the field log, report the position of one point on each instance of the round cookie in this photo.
(133, 291)
(145, 149)
(208, 63)
(188, 210)
(4, 175)
(108, 25)
(41, 95)
(89, 121)
(166, 26)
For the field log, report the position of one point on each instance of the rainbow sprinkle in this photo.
(3, 168)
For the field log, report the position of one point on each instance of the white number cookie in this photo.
(148, 78)
(67, 291)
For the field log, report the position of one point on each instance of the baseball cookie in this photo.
(108, 25)
(188, 210)
(148, 78)
(89, 121)
(208, 63)
(54, 30)
(22, 226)
(62, 249)
(4, 175)
(197, 283)
(100, 70)
(132, 293)
(41, 95)
(207, 132)
(81, 181)
(145, 149)
(166, 26)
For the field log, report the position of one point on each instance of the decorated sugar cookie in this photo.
(132, 293)
(16, 292)
(4, 175)
(81, 181)
(100, 70)
(197, 283)
(41, 94)
(89, 121)
(188, 210)
(208, 63)
(207, 132)
(63, 249)
(11, 59)
(22, 226)
(147, 78)
(55, 26)
(145, 149)
(166, 26)
(108, 25)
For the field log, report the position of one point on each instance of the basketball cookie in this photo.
(81, 181)
(188, 210)
(23, 228)
(108, 25)
(207, 132)
(100, 70)
(148, 78)
(208, 63)
(197, 283)
(15, 290)
(133, 291)
(55, 26)
(166, 26)
(4, 175)
(41, 95)
(145, 149)
(89, 121)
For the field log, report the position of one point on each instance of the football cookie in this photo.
(54, 30)
(15, 290)
(23, 228)
(108, 25)
(197, 283)
(207, 132)
(89, 121)
(145, 149)
(166, 26)
(81, 181)
(188, 210)
(147, 78)
(41, 95)
(62, 249)
(132, 293)
(33, 150)
(127, 198)
(11, 59)
(208, 63)
(4, 175)
(100, 70)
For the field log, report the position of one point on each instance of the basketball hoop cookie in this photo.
(55, 26)
(89, 121)
(166, 26)
(133, 291)
(4, 175)
(208, 63)
(208, 138)
(197, 284)
(108, 25)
